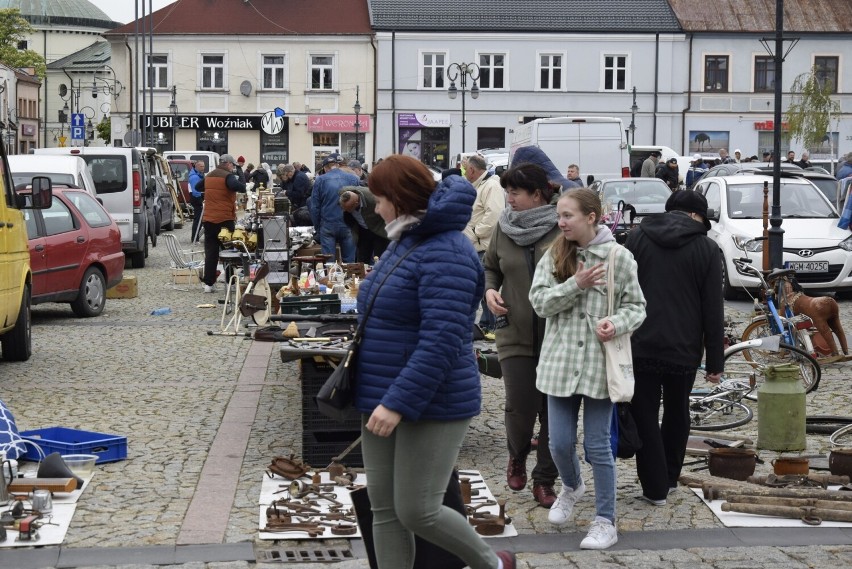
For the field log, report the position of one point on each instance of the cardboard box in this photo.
(185, 276)
(127, 288)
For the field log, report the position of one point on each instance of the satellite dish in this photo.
(245, 88)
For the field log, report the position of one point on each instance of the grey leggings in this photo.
(407, 476)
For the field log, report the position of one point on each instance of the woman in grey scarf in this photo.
(524, 232)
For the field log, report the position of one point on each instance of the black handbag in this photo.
(628, 435)
(337, 394)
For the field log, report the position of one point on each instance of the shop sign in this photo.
(419, 120)
(211, 122)
(28, 129)
(338, 123)
(768, 125)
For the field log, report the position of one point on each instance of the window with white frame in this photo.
(322, 72)
(550, 70)
(492, 69)
(716, 73)
(274, 71)
(158, 71)
(614, 72)
(433, 70)
(212, 71)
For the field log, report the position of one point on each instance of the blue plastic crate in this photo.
(63, 440)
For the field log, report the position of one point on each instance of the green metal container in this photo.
(781, 410)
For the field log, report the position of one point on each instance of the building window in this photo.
(322, 72)
(158, 72)
(764, 74)
(716, 73)
(492, 69)
(826, 71)
(550, 71)
(274, 71)
(615, 72)
(24, 45)
(433, 70)
(213, 72)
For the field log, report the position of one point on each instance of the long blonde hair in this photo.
(564, 251)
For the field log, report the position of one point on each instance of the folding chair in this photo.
(179, 259)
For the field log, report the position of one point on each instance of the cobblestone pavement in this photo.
(163, 382)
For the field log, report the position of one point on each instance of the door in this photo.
(65, 246)
(436, 154)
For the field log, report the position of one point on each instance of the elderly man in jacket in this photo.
(326, 214)
(360, 203)
(220, 189)
(490, 201)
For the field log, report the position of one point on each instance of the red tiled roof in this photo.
(258, 17)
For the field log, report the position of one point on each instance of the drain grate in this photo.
(303, 555)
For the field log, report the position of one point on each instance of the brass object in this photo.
(288, 467)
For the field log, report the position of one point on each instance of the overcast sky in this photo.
(124, 11)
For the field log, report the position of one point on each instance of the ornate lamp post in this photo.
(357, 109)
(173, 110)
(633, 110)
(460, 72)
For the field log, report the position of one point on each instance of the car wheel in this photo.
(158, 226)
(92, 294)
(17, 343)
(728, 292)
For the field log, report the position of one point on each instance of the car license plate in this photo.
(808, 266)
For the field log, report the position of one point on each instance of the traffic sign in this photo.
(77, 132)
(62, 140)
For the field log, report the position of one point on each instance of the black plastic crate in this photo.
(313, 420)
(319, 447)
(311, 304)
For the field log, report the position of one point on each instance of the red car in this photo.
(75, 251)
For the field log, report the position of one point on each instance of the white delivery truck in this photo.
(598, 145)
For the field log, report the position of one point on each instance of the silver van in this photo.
(126, 191)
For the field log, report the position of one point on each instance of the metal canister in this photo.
(43, 501)
(781, 410)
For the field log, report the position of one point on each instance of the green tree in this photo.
(103, 129)
(13, 30)
(811, 109)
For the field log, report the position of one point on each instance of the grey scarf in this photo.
(528, 226)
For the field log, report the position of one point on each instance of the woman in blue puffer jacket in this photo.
(417, 377)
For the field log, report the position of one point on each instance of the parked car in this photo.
(826, 183)
(180, 170)
(813, 244)
(737, 167)
(640, 197)
(123, 186)
(211, 159)
(60, 169)
(75, 250)
(164, 194)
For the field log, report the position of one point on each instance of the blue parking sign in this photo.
(77, 132)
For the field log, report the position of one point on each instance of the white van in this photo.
(638, 154)
(211, 159)
(597, 145)
(126, 191)
(71, 170)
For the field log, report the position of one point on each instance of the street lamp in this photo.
(173, 109)
(633, 109)
(462, 71)
(357, 109)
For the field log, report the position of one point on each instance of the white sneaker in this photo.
(209, 288)
(648, 500)
(602, 535)
(560, 511)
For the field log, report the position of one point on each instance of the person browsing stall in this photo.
(220, 188)
(417, 380)
(524, 232)
(569, 291)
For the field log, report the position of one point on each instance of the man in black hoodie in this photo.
(680, 274)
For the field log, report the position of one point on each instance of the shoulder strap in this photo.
(369, 308)
(610, 280)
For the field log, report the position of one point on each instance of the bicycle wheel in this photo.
(746, 360)
(759, 328)
(717, 414)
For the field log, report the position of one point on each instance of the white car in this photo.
(813, 244)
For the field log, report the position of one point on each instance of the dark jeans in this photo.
(212, 247)
(660, 460)
(525, 404)
(487, 319)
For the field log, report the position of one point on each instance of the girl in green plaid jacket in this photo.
(569, 291)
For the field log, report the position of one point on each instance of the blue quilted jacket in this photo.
(416, 355)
